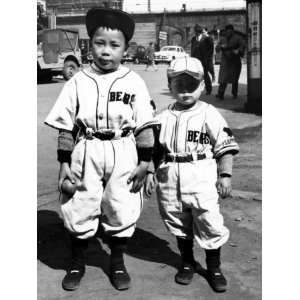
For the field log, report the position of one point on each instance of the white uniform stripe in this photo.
(97, 97)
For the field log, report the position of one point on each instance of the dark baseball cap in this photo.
(110, 18)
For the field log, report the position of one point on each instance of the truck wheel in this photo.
(70, 69)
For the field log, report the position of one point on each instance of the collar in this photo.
(99, 71)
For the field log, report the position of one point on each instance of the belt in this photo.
(107, 134)
(184, 157)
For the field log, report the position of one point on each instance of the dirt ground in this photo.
(152, 257)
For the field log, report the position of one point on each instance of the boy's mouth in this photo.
(104, 61)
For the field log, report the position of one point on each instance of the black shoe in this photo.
(221, 97)
(208, 92)
(234, 96)
(185, 274)
(120, 278)
(217, 280)
(72, 279)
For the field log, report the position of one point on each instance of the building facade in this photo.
(177, 25)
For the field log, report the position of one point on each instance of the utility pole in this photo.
(254, 56)
(149, 6)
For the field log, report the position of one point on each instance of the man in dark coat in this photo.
(232, 48)
(203, 48)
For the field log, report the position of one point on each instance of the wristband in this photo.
(64, 156)
(223, 175)
(145, 154)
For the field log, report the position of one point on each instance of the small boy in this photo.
(193, 160)
(103, 114)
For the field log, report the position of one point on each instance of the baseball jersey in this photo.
(200, 129)
(114, 100)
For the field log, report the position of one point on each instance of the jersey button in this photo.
(100, 116)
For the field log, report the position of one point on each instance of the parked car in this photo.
(57, 53)
(127, 57)
(168, 53)
(139, 56)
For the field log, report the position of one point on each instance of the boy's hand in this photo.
(137, 176)
(149, 184)
(224, 186)
(64, 172)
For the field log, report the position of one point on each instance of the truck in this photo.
(57, 53)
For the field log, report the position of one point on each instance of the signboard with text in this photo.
(254, 42)
(163, 35)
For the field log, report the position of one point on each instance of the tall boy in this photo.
(193, 159)
(109, 108)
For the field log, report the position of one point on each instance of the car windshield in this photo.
(59, 40)
(168, 49)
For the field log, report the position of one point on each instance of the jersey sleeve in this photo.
(142, 105)
(62, 115)
(221, 136)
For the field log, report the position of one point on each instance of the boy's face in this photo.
(186, 89)
(108, 47)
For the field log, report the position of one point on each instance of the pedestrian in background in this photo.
(211, 69)
(232, 49)
(203, 48)
(149, 53)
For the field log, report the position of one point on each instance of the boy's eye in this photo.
(99, 42)
(115, 45)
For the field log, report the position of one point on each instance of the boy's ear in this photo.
(202, 84)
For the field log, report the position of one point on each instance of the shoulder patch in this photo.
(228, 131)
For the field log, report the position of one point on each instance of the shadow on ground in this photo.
(41, 81)
(53, 246)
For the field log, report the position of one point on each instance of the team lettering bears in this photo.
(121, 96)
(198, 137)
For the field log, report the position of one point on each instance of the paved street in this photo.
(152, 257)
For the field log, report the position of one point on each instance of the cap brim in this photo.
(196, 75)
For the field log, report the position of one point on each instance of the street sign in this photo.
(163, 35)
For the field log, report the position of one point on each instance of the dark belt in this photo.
(109, 135)
(180, 158)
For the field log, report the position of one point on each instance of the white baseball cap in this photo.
(188, 65)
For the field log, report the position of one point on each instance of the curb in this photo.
(247, 195)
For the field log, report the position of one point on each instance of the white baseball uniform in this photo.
(116, 101)
(187, 194)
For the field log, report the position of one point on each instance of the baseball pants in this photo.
(102, 169)
(188, 202)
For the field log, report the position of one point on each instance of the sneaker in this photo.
(72, 279)
(185, 274)
(120, 278)
(217, 280)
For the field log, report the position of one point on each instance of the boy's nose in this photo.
(105, 51)
(185, 97)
